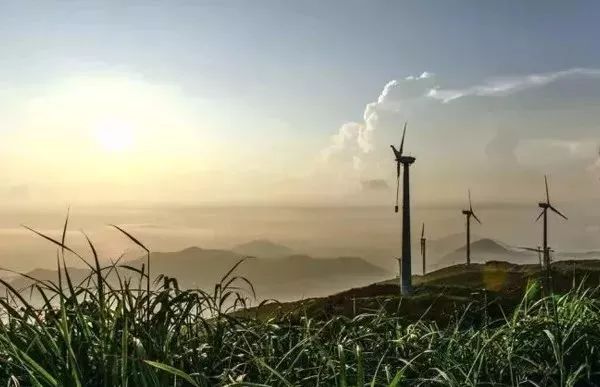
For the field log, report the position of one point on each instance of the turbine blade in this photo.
(423, 231)
(530, 249)
(547, 192)
(402, 143)
(470, 205)
(476, 218)
(396, 153)
(398, 171)
(558, 212)
(540, 215)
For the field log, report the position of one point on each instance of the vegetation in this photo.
(96, 334)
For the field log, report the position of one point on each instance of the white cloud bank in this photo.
(356, 139)
(491, 130)
(509, 85)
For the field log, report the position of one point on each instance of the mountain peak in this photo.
(263, 248)
(488, 245)
(486, 249)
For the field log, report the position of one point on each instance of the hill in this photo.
(285, 278)
(448, 243)
(486, 249)
(440, 294)
(263, 248)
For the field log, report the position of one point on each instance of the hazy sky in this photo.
(297, 101)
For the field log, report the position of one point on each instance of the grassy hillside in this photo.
(439, 295)
(446, 334)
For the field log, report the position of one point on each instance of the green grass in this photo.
(96, 333)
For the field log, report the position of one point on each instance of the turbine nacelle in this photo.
(398, 152)
(406, 160)
(545, 206)
(400, 161)
(470, 211)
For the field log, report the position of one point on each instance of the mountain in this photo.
(263, 248)
(285, 278)
(484, 250)
(447, 244)
(288, 277)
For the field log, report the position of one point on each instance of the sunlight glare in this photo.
(114, 136)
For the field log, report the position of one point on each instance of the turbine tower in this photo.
(405, 260)
(424, 249)
(545, 206)
(469, 213)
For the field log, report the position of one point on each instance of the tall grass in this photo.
(125, 332)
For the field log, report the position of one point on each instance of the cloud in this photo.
(526, 123)
(508, 129)
(346, 136)
(357, 163)
(502, 147)
(509, 85)
(374, 185)
(354, 140)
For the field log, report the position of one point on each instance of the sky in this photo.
(297, 101)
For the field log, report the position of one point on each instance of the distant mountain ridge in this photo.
(284, 277)
(449, 243)
(287, 277)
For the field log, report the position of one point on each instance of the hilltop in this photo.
(449, 243)
(487, 249)
(263, 248)
(439, 294)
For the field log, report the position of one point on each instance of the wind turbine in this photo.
(469, 213)
(545, 206)
(424, 249)
(405, 260)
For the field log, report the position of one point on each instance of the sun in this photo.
(114, 135)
